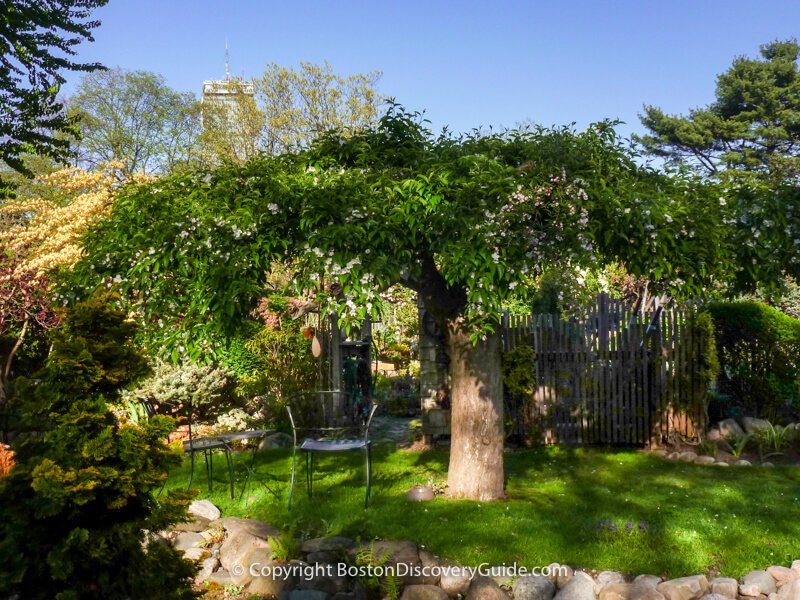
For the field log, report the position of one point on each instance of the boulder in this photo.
(728, 428)
(687, 456)
(651, 580)
(756, 583)
(332, 557)
(721, 464)
(725, 586)
(423, 592)
(221, 577)
(751, 424)
(188, 539)
(714, 597)
(420, 493)
(327, 544)
(605, 578)
(783, 575)
(704, 460)
(560, 574)
(796, 565)
(196, 525)
(673, 455)
(580, 587)
(533, 587)
(714, 435)
(195, 553)
(358, 593)
(236, 547)
(485, 588)
(206, 568)
(743, 463)
(629, 591)
(790, 591)
(684, 588)
(659, 452)
(405, 552)
(430, 561)
(264, 583)
(767, 464)
(454, 579)
(330, 584)
(204, 509)
(304, 595)
(251, 526)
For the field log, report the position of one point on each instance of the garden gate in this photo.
(614, 375)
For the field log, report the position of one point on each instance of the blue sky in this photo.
(467, 64)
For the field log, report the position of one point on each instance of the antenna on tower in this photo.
(227, 64)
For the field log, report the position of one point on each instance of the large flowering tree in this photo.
(461, 221)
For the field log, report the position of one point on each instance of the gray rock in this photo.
(790, 591)
(651, 580)
(721, 464)
(673, 456)
(400, 552)
(330, 584)
(454, 579)
(276, 440)
(420, 493)
(796, 565)
(659, 452)
(629, 591)
(580, 587)
(264, 583)
(424, 592)
(251, 526)
(756, 583)
(783, 575)
(332, 557)
(304, 595)
(687, 456)
(767, 464)
(485, 588)
(725, 586)
(533, 587)
(714, 435)
(430, 561)
(204, 509)
(605, 578)
(197, 525)
(236, 547)
(221, 577)
(358, 593)
(560, 574)
(743, 463)
(205, 570)
(729, 428)
(704, 460)
(684, 588)
(195, 553)
(186, 540)
(714, 597)
(327, 544)
(751, 424)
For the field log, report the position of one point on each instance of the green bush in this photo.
(759, 350)
(78, 504)
(519, 385)
(209, 390)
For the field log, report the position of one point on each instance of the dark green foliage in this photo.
(698, 366)
(77, 505)
(751, 128)
(759, 350)
(519, 385)
(38, 42)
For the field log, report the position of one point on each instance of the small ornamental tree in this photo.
(79, 501)
(461, 221)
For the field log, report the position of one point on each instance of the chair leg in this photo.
(369, 475)
(311, 475)
(191, 472)
(230, 468)
(209, 458)
(291, 483)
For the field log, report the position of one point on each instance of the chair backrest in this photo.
(170, 410)
(330, 413)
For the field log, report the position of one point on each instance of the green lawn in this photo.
(698, 518)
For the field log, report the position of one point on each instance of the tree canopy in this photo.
(460, 220)
(37, 43)
(753, 126)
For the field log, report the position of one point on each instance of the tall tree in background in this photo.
(752, 128)
(134, 118)
(37, 43)
(301, 104)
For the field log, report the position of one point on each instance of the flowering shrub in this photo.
(6, 459)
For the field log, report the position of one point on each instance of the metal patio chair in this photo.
(206, 445)
(329, 422)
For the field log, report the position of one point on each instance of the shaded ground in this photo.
(622, 510)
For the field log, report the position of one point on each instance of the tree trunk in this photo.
(6, 371)
(476, 443)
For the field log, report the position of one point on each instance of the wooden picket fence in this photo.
(613, 376)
